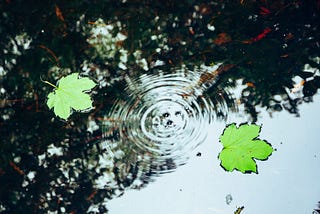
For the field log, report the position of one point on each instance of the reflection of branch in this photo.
(284, 7)
(51, 53)
(91, 196)
(4, 103)
(109, 119)
(208, 78)
(16, 168)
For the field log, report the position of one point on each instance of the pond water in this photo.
(170, 77)
(161, 117)
(287, 182)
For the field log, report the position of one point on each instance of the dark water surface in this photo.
(170, 76)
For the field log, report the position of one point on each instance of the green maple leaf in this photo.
(69, 94)
(241, 146)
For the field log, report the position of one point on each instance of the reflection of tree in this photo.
(317, 210)
(274, 45)
(270, 51)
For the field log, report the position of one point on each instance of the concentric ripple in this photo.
(160, 118)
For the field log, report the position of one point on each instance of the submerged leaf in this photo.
(241, 147)
(70, 94)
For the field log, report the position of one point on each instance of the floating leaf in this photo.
(241, 146)
(69, 94)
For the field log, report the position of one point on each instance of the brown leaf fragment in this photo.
(222, 39)
(250, 84)
(59, 13)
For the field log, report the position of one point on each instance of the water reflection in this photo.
(151, 128)
(160, 117)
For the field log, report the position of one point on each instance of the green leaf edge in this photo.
(57, 88)
(254, 159)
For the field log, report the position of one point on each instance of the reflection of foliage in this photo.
(317, 210)
(270, 42)
(269, 59)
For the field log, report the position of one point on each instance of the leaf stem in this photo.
(49, 83)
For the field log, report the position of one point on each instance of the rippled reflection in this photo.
(160, 119)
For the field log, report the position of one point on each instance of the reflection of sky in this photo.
(287, 183)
